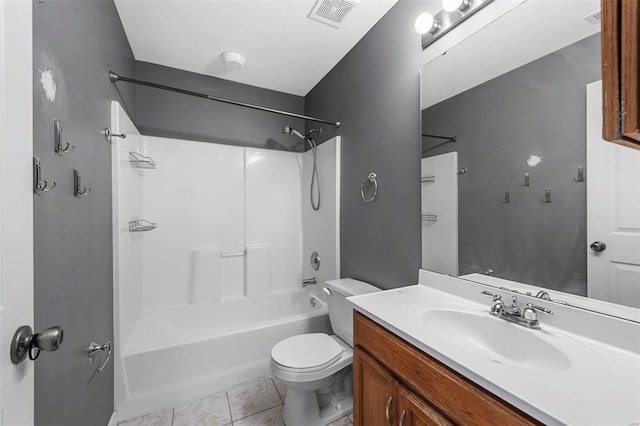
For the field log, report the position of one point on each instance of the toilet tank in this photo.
(340, 310)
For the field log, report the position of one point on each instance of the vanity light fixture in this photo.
(453, 13)
(453, 5)
(426, 23)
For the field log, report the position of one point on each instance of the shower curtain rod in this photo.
(115, 78)
(447, 138)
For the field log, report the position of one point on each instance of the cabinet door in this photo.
(620, 71)
(416, 412)
(375, 392)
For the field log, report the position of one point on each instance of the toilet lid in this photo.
(307, 351)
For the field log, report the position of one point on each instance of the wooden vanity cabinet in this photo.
(414, 411)
(377, 390)
(396, 384)
(384, 401)
(621, 71)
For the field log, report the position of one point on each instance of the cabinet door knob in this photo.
(404, 413)
(387, 411)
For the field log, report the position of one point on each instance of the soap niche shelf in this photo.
(141, 225)
(141, 161)
(429, 217)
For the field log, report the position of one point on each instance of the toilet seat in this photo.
(306, 352)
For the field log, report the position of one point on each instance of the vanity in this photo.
(439, 353)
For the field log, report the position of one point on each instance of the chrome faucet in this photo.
(309, 281)
(543, 295)
(513, 309)
(527, 318)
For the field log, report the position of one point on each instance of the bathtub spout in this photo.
(309, 281)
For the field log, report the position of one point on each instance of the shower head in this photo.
(288, 130)
(291, 131)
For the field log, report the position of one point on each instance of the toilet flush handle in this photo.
(327, 290)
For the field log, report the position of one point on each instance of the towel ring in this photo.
(372, 178)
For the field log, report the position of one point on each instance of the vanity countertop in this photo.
(556, 375)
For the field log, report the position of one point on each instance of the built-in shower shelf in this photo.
(430, 217)
(141, 161)
(141, 225)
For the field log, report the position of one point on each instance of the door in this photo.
(375, 392)
(416, 412)
(613, 212)
(16, 207)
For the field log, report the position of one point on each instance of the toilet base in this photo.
(301, 408)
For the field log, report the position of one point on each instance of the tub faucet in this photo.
(309, 281)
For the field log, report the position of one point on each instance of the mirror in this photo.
(507, 149)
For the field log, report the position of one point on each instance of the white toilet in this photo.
(316, 367)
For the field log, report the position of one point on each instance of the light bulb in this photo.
(425, 23)
(451, 5)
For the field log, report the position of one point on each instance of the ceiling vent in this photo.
(594, 18)
(332, 12)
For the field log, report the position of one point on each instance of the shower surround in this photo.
(201, 299)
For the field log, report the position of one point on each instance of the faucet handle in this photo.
(495, 296)
(531, 310)
(539, 309)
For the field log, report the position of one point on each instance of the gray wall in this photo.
(173, 115)
(374, 92)
(539, 109)
(79, 42)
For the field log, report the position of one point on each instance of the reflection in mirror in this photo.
(521, 176)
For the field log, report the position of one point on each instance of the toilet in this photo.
(316, 368)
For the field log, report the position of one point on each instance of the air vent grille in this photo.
(332, 12)
(594, 18)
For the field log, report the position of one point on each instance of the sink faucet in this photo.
(309, 281)
(513, 309)
(543, 295)
(527, 318)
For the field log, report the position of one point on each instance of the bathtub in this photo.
(179, 354)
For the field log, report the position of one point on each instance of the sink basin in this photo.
(495, 339)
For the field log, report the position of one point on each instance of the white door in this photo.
(439, 199)
(613, 212)
(16, 206)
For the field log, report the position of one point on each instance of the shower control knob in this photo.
(314, 260)
(598, 246)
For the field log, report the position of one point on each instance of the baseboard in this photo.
(113, 421)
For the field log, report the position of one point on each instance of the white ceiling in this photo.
(284, 49)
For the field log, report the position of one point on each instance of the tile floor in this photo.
(257, 403)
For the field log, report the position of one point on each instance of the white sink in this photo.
(569, 372)
(496, 339)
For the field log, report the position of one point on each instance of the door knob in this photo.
(598, 246)
(25, 343)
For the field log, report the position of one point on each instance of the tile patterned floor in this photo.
(257, 403)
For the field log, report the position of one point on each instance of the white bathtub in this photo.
(175, 355)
